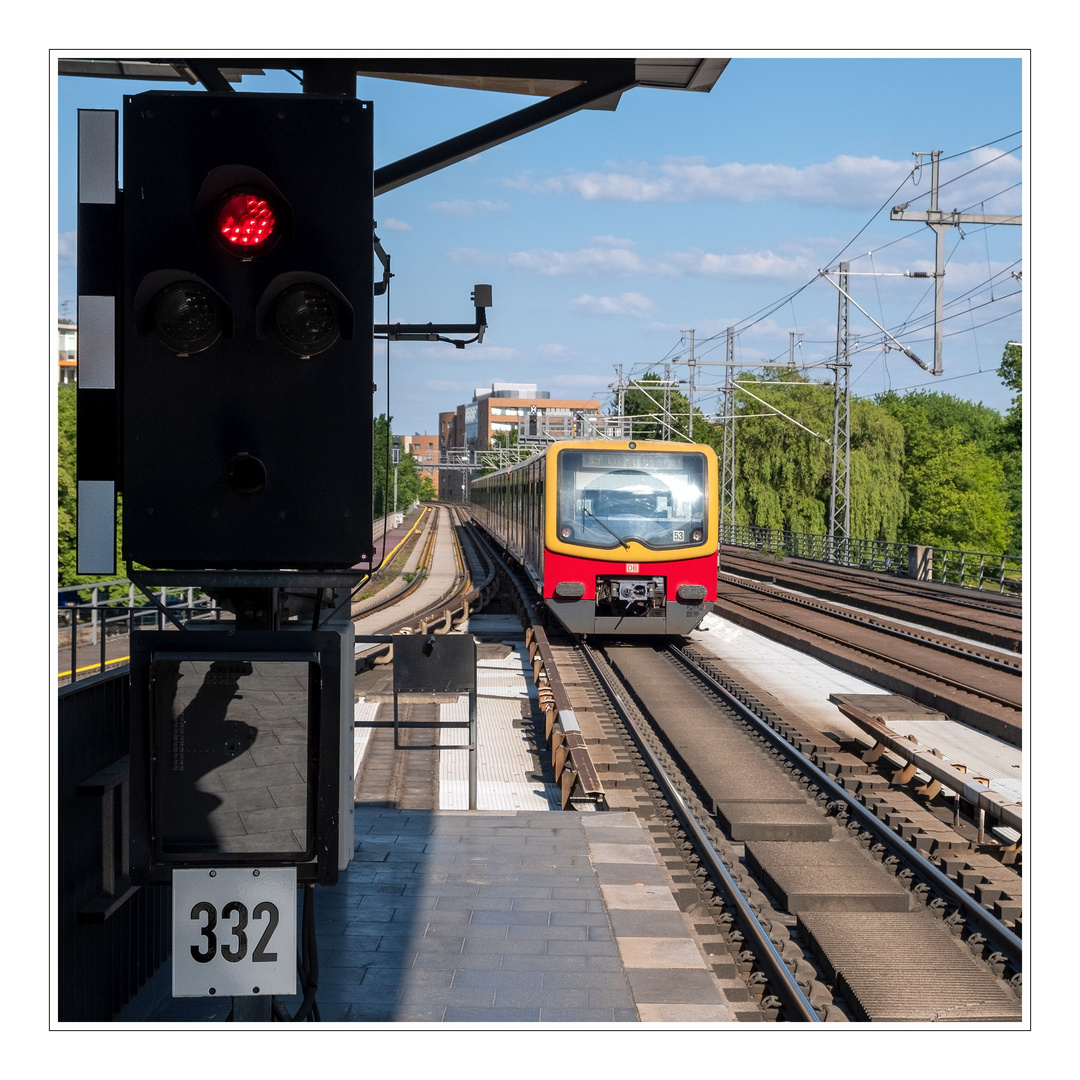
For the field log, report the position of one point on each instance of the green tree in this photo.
(783, 463)
(646, 402)
(977, 423)
(65, 485)
(382, 468)
(1009, 445)
(383, 472)
(954, 484)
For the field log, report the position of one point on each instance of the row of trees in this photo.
(386, 478)
(926, 467)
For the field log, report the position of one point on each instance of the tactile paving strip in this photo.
(506, 763)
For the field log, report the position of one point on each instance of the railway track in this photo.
(974, 684)
(658, 732)
(838, 892)
(403, 771)
(989, 618)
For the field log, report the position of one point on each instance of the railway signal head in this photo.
(246, 321)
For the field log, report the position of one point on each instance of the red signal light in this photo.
(245, 222)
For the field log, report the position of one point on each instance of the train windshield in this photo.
(609, 497)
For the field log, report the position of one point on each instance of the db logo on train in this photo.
(633, 568)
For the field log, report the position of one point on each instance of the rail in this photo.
(1003, 939)
(950, 566)
(783, 984)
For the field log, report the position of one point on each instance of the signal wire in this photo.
(764, 313)
(372, 570)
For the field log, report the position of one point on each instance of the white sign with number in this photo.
(234, 932)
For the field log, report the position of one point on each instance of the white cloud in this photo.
(469, 208)
(593, 383)
(393, 223)
(630, 303)
(615, 260)
(603, 260)
(744, 264)
(613, 241)
(554, 351)
(844, 181)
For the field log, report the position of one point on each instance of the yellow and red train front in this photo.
(618, 537)
(630, 536)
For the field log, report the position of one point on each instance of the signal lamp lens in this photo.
(246, 474)
(697, 535)
(186, 317)
(566, 533)
(306, 319)
(245, 222)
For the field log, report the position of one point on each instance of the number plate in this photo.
(234, 932)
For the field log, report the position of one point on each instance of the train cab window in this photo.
(609, 497)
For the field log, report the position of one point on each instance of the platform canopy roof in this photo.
(567, 84)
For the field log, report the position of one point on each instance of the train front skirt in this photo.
(657, 598)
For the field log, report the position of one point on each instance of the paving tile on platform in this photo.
(660, 952)
(640, 897)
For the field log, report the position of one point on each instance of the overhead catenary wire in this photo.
(709, 344)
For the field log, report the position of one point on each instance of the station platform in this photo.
(514, 913)
(491, 918)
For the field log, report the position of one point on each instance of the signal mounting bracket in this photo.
(481, 298)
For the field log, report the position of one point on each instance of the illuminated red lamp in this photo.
(245, 222)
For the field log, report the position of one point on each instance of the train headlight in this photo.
(573, 590)
(565, 532)
(691, 592)
(697, 536)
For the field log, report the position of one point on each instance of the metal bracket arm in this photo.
(903, 348)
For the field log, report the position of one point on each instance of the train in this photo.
(618, 537)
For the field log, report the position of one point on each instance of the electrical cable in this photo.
(709, 344)
(372, 570)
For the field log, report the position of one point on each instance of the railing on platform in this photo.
(110, 937)
(970, 569)
(89, 615)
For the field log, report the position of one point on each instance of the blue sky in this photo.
(607, 237)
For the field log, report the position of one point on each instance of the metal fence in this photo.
(110, 937)
(90, 617)
(971, 569)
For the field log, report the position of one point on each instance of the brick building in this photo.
(425, 451)
(511, 408)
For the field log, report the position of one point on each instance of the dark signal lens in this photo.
(186, 317)
(566, 533)
(246, 474)
(306, 319)
(245, 222)
(697, 536)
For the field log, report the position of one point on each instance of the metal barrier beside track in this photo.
(951, 566)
